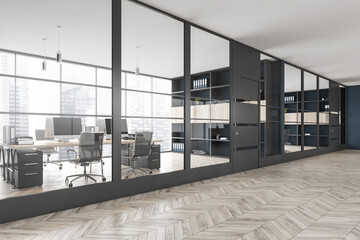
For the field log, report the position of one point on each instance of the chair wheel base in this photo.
(103, 179)
(150, 172)
(70, 185)
(126, 177)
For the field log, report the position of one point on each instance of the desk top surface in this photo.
(55, 143)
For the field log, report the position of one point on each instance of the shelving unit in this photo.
(210, 112)
(310, 118)
(324, 117)
(292, 103)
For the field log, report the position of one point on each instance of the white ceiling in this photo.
(322, 36)
(319, 35)
(86, 33)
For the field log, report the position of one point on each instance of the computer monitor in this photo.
(124, 129)
(63, 128)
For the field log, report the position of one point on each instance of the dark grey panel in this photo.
(245, 136)
(270, 160)
(304, 154)
(334, 145)
(245, 160)
(334, 119)
(246, 61)
(37, 204)
(245, 113)
(334, 95)
(245, 89)
(334, 132)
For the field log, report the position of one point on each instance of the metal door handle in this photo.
(236, 133)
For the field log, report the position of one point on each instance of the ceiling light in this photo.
(137, 69)
(44, 63)
(59, 54)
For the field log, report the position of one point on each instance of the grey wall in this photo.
(353, 117)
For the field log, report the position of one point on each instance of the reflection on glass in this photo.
(342, 115)
(31, 96)
(324, 112)
(270, 106)
(168, 141)
(153, 100)
(210, 94)
(292, 109)
(310, 111)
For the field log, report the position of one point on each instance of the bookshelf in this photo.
(210, 113)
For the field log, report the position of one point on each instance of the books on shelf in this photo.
(24, 141)
(178, 147)
(289, 99)
(200, 83)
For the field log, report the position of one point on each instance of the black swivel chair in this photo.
(40, 135)
(141, 150)
(89, 151)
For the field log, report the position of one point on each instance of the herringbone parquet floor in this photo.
(313, 198)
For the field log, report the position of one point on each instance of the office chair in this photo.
(141, 150)
(40, 135)
(89, 151)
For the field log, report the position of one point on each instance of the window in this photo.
(153, 101)
(78, 73)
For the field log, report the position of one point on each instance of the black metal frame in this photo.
(32, 205)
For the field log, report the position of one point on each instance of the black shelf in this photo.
(208, 88)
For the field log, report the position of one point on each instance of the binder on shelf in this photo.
(9, 134)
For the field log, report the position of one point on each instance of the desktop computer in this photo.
(63, 128)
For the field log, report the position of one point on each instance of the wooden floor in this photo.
(313, 198)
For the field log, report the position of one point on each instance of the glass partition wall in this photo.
(51, 103)
(270, 109)
(292, 109)
(324, 114)
(342, 115)
(310, 111)
(210, 99)
(152, 92)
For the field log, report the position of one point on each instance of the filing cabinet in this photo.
(28, 169)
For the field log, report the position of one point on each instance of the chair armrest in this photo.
(71, 150)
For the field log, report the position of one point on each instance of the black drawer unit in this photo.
(28, 170)
(152, 162)
(154, 158)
